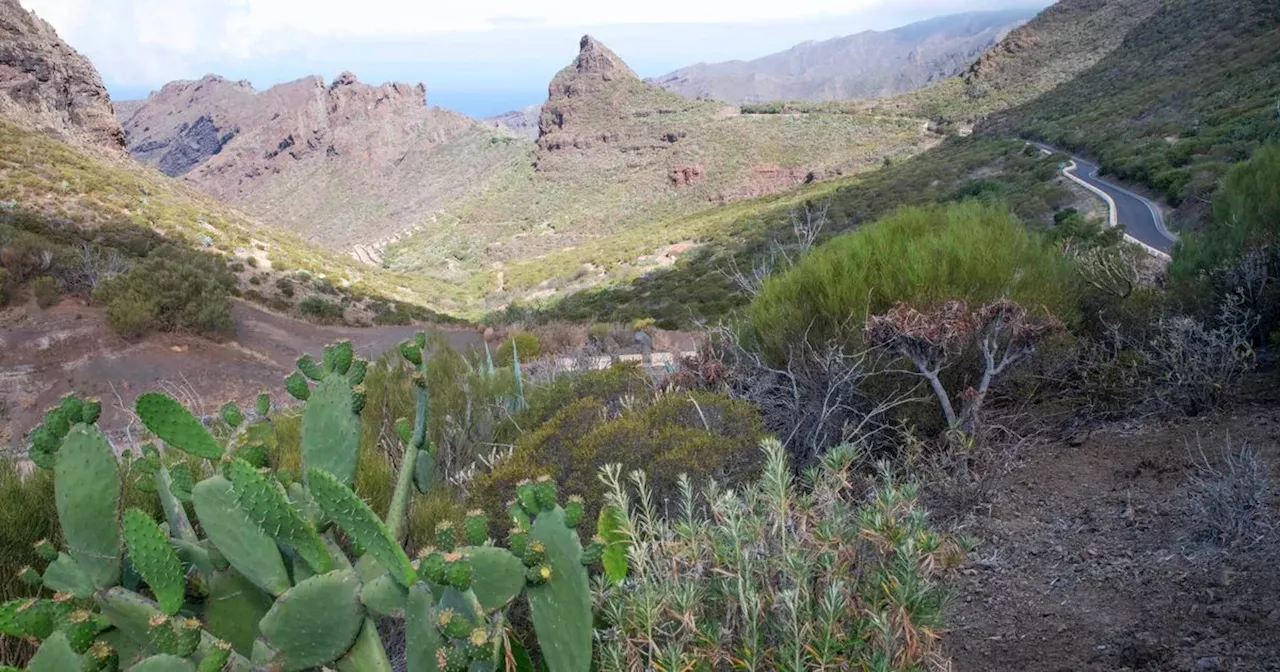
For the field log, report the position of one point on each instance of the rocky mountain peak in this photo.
(47, 85)
(595, 58)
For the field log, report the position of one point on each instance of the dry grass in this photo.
(1230, 494)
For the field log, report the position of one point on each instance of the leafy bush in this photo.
(319, 309)
(922, 256)
(702, 434)
(4, 286)
(1246, 214)
(285, 285)
(778, 576)
(46, 291)
(526, 346)
(170, 290)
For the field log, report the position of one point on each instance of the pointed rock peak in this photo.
(347, 78)
(595, 58)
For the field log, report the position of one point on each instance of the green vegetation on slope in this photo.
(922, 256)
(1191, 90)
(696, 288)
(50, 190)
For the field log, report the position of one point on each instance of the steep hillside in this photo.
(48, 86)
(1191, 89)
(60, 189)
(614, 152)
(340, 163)
(1062, 41)
(871, 63)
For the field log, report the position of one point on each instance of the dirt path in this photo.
(46, 354)
(1088, 560)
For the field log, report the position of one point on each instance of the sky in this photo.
(480, 57)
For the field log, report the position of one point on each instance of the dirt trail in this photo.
(45, 354)
(1088, 561)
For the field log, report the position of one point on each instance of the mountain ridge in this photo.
(866, 64)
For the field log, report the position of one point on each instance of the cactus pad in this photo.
(331, 430)
(234, 608)
(561, 607)
(338, 357)
(237, 538)
(231, 414)
(361, 524)
(420, 627)
(499, 576)
(267, 507)
(55, 655)
(296, 385)
(384, 596)
(412, 352)
(87, 493)
(315, 622)
(167, 419)
(356, 373)
(155, 560)
(310, 368)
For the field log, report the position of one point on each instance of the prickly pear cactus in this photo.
(270, 586)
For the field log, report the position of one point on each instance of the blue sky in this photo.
(481, 57)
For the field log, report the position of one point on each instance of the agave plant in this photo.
(261, 579)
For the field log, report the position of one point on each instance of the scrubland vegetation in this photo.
(759, 503)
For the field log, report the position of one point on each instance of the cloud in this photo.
(505, 20)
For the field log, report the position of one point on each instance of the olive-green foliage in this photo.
(4, 286)
(919, 255)
(778, 576)
(1075, 231)
(702, 434)
(1246, 214)
(1132, 109)
(696, 289)
(46, 291)
(170, 290)
(320, 310)
(526, 346)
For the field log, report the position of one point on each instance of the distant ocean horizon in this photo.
(473, 103)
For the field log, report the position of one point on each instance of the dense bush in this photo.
(702, 434)
(922, 256)
(1246, 214)
(525, 345)
(170, 290)
(285, 285)
(46, 291)
(319, 309)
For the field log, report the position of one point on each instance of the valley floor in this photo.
(70, 348)
(1088, 559)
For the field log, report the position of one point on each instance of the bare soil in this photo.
(1088, 559)
(45, 354)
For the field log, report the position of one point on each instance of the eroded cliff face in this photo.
(47, 85)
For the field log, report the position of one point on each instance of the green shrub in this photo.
(1246, 214)
(170, 290)
(919, 255)
(704, 435)
(392, 317)
(319, 309)
(285, 285)
(526, 345)
(46, 291)
(777, 577)
(4, 286)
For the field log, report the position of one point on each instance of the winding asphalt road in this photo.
(1141, 218)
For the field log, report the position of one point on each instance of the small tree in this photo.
(1002, 330)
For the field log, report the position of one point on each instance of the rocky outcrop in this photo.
(47, 85)
(341, 161)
